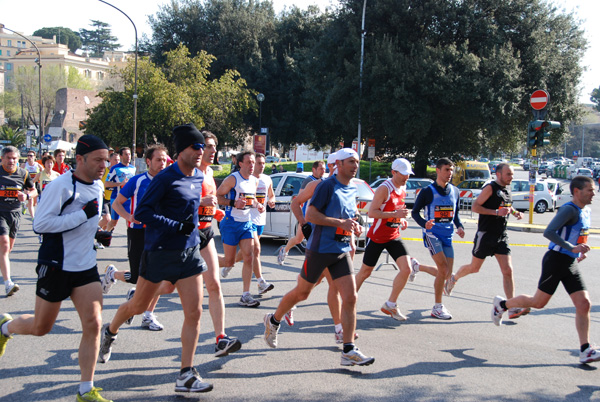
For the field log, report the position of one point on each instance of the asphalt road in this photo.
(534, 358)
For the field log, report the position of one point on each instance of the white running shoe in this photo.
(282, 255)
(225, 271)
(440, 312)
(414, 269)
(449, 285)
(11, 288)
(289, 317)
(356, 358)
(516, 312)
(497, 310)
(190, 381)
(248, 301)
(393, 311)
(149, 321)
(227, 345)
(590, 355)
(270, 331)
(109, 278)
(106, 342)
(264, 287)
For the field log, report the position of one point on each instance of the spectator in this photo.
(273, 169)
(281, 169)
(60, 166)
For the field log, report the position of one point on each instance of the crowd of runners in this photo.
(169, 212)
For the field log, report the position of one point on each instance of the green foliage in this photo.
(16, 137)
(595, 98)
(180, 92)
(66, 36)
(98, 40)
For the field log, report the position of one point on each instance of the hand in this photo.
(186, 228)
(581, 258)
(91, 209)
(239, 203)
(21, 196)
(104, 237)
(581, 248)
(133, 220)
(504, 211)
(401, 213)
(260, 207)
(209, 201)
(358, 230)
(429, 224)
(460, 232)
(271, 203)
(403, 224)
(349, 225)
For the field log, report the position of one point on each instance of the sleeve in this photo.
(27, 183)
(424, 198)
(567, 215)
(146, 212)
(128, 189)
(48, 218)
(322, 195)
(111, 174)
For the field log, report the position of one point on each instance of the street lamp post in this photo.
(38, 61)
(260, 98)
(363, 33)
(135, 94)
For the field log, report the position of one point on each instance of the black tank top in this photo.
(500, 197)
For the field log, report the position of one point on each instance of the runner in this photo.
(47, 175)
(33, 168)
(169, 209)
(333, 213)
(568, 234)
(15, 187)
(238, 192)
(68, 216)
(207, 210)
(388, 211)
(61, 167)
(130, 195)
(318, 170)
(440, 203)
(113, 159)
(117, 177)
(265, 196)
(494, 205)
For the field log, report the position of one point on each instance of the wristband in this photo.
(27, 196)
(496, 212)
(231, 203)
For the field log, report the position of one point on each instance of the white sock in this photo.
(390, 304)
(338, 327)
(261, 280)
(4, 329)
(147, 313)
(85, 387)
(438, 305)
(245, 293)
(8, 283)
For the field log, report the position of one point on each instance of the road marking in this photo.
(510, 244)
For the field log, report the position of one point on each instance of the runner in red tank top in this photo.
(388, 210)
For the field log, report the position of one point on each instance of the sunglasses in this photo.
(197, 146)
(31, 155)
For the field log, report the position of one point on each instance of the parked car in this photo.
(544, 195)
(563, 195)
(584, 172)
(281, 223)
(413, 186)
(378, 182)
(473, 185)
(526, 165)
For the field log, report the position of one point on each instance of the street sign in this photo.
(539, 99)
(47, 138)
(371, 148)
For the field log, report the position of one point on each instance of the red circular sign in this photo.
(539, 99)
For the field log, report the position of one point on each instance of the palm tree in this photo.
(16, 137)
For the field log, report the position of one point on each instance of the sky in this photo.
(75, 14)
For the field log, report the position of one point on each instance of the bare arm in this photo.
(375, 212)
(118, 207)
(303, 196)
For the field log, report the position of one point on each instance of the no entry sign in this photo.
(539, 99)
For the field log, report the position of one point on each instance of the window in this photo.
(8, 53)
(291, 186)
(0, 52)
(8, 66)
(9, 42)
(100, 75)
(88, 73)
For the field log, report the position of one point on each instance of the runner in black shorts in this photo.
(332, 212)
(388, 211)
(568, 234)
(494, 206)
(169, 209)
(67, 259)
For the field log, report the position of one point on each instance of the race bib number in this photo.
(261, 198)
(9, 193)
(249, 198)
(342, 235)
(583, 236)
(393, 222)
(205, 214)
(443, 213)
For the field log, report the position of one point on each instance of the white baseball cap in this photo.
(402, 166)
(331, 158)
(346, 153)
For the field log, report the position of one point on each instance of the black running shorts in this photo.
(9, 223)
(488, 244)
(171, 265)
(206, 236)
(55, 285)
(556, 268)
(373, 250)
(135, 248)
(315, 263)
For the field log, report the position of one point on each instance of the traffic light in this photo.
(544, 133)
(533, 133)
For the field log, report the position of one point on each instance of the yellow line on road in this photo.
(470, 242)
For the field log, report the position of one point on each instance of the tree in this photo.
(66, 36)
(98, 40)
(182, 91)
(595, 98)
(16, 137)
(26, 82)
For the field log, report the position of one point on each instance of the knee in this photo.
(92, 324)
(366, 271)
(194, 314)
(42, 329)
(583, 306)
(507, 271)
(213, 288)
(350, 299)
(302, 295)
(539, 304)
